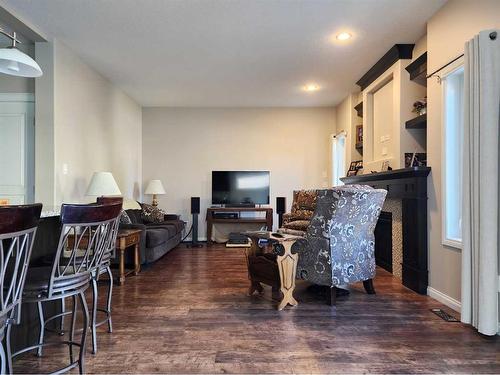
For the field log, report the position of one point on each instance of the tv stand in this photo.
(268, 220)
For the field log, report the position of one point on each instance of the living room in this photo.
(307, 103)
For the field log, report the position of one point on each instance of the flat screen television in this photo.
(240, 188)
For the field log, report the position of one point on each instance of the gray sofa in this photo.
(157, 239)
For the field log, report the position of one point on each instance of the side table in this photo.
(125, 239)
(286, 264)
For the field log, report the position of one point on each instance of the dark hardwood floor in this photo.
(189, 313)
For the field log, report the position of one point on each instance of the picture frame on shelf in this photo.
(355, 167)
(415, 159)
(385, 166)
(359, 136)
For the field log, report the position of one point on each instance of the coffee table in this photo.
(286, 263)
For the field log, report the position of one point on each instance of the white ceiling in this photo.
(229, 52)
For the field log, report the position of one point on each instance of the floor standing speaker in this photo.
(280, 209)
(195, 210)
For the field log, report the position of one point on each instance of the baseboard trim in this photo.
(444, 299)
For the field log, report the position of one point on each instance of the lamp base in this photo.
(155, 201)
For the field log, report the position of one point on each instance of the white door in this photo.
(17, 136)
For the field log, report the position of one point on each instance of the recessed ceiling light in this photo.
(344, 36)
(311, 87)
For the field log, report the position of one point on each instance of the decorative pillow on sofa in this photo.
(151, 214)
(124, 218)
(298, 225)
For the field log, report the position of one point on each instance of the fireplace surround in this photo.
(409, 186)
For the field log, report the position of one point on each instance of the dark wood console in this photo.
(268, 220)
(409, 185)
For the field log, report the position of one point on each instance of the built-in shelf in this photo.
(359, 109)
(418, 70)
(419, 122)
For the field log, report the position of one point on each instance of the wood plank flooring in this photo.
(189, 313)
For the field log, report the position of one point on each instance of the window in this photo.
(338, 158)
(453, 87)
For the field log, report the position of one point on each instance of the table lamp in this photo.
(155, 187)
(103, 184)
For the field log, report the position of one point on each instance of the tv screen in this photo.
(240, 187)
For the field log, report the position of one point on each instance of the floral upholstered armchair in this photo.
(303, 206)
(338, 247)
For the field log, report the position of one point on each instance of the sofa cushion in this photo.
(156, 236)
(177, 224)
(135, 216)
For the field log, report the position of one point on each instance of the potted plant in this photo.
(420, 106)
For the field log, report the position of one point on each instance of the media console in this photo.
(227, 215)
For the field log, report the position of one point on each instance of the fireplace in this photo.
(407, 203)
(383, 241)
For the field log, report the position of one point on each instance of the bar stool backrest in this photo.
(110, 253)
(18, 226)
(87, 231)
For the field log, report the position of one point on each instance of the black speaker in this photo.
(280, 205)
(280, 209)
(195, 205)
(195, 210)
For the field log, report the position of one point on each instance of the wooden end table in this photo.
(125, 239)
(286, 262)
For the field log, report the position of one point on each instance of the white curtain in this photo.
(338, 156)
(480, 253)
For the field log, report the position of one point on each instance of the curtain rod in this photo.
(339, 133)
(493, 36)
(444, 66)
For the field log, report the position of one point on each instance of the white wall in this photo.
(87, 125)
(181, 146)
(347, 119)
(447, 31)
(383, 112)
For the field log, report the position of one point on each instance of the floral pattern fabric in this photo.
(339, 247)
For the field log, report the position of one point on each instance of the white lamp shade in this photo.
(155, 187)
(103, 184)
(17, 63)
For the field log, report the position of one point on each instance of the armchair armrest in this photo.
(287, 217)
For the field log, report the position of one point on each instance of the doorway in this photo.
(17, 144)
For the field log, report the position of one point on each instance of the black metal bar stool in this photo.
(104, 268)
(85, 235)
(17, 230)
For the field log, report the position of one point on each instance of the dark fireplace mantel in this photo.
(409, 185)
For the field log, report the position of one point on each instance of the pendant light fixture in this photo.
(16, 63)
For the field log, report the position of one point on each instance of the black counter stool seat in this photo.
(86, 233)
(18, 226)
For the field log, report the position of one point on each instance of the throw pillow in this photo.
(151, 214)
(124, 218)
